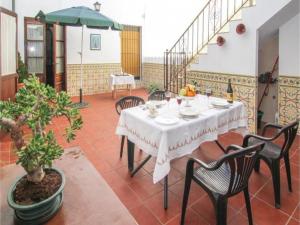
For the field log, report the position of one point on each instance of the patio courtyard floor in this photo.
(144, 199)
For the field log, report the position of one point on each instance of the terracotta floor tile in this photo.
(237, 202)
(295, 172)
(144, 216)
(180, 164)
(196, 191)
(289, 200)
(144, 186)
(257, 181)
(264, 214)
(204, 207)
(155, 205)
(239, 219)
(296, 214)
(293, 222)
(127, 196)
(191, 218)
(173, 177)
(295, 157)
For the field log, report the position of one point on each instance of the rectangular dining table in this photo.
(167, 142)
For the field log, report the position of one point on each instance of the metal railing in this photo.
(211, 20)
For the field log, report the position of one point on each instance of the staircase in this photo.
(212, 20)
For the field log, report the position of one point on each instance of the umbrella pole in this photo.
(80, 90)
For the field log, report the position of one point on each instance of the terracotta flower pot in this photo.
(37, 213)
(220, 40)
(241, 28)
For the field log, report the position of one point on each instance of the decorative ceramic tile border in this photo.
(244, 88)
(95, 78)
(289, 99)
(153, 73)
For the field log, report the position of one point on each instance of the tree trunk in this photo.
(36, 175)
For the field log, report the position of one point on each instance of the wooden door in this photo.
(8, 54)
(59, 58)
(131, 50)
(34, 42)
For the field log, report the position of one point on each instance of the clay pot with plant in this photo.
(21, 71)
(37, 196)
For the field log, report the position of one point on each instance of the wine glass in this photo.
(168, 97)
(179, 100)
(208, 93)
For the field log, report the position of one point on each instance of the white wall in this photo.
(289, 47)
(239, 54)
(30, 8)
(6, 4)
(165, 21)
(126, 12)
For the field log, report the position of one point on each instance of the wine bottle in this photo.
(229, 92)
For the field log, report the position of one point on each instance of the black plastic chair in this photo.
(272, 153)
(125, 103)
(157, 95)
(222, 179)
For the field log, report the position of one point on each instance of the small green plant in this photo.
(152, 87)
(22, 70)
(35, 106)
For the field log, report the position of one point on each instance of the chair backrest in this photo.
(239, 164)
(128, 102)
(157, 95)
(290, 132)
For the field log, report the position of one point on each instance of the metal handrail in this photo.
(188, 46)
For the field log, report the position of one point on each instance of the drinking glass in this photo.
(179, 100)
(208, 93)
(168, 97)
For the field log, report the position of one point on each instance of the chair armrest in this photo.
(233, 148)
(270, 125)
(191, 162)
(261, 138)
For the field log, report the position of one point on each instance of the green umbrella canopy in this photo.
(79, 16)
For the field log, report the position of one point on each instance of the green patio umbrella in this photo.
(79, 16)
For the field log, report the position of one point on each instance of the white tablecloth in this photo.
(167, 142)
(121, 80)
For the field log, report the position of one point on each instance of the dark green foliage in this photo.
(22, 70)
(35, 106)
(152, 88)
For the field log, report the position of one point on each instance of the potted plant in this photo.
(37, 196)
(21, 71)
(152, 88)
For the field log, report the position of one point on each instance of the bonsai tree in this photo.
(35, 106)
(22, 70)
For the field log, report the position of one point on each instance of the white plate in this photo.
(189, 111)
(156, 103)
(170, 120)
(220, 104)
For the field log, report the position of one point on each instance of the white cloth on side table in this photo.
(167, 142)
(125, 79)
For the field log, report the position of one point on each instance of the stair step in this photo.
(237, 16)
(250, 3)
(203, 50)
(225, 29)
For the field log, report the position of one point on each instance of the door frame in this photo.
(31, 20)
(64, 86)
(9, 80)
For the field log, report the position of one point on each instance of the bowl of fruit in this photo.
(188, 93)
